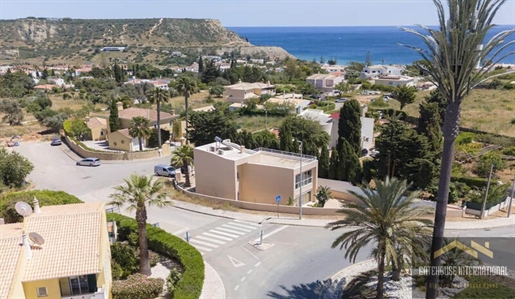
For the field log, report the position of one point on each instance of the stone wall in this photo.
(105, 155)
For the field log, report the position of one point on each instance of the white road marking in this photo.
(217, 236)
(236, 228)
(229, 230)
(249, 252)
(201, 248)
(243, 278)
(223, 234)
(272, 233)
(256, 265)
(203, 243)
(247, 223)
(235, 262)
(210, 240)
(250, 271)
(236, 288)
(242, 225)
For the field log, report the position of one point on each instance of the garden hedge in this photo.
(470, 181)
(45, 198)
(166, 244)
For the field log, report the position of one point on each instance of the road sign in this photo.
(278, 198)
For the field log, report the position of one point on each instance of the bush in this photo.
(495, 139)
(137, 286)
(172, 279)
(124, 260)
(168, 245)
(470, 148)
(509, 151)
(470, 181)
(465, 138)
(14, 168)
(485, 162)
(45, 198)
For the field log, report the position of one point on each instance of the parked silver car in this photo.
(164, 170)
(89, 162)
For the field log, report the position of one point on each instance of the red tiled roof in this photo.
(335, 115)
(149, 114)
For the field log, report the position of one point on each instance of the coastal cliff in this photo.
(48, 40)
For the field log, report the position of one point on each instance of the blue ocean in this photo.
(346, 43)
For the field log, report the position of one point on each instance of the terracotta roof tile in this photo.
(125, 132)
(150, 114)
(10, 250)
(72, 236)
(96, 122)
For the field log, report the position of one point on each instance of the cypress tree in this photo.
(333, 165)
(350, 166)
(429, 125)
(200, 66)
(323, 163)
(114, 120)
(349, 125)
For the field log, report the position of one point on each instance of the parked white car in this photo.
(89, 162)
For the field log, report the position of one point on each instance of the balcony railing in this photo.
(278, 152)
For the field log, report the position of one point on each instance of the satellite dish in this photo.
(23, 208)
(36, 238)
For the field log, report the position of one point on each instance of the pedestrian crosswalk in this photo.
(222, 234)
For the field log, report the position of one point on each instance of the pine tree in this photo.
(114, 120)
(349, 126)
(333, 165)
(323, 163)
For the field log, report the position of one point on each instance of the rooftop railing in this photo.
(297, 155)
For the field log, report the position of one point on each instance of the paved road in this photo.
(290, 264)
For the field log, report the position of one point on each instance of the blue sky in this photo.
(245, 12)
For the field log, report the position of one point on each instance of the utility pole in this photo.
(486, 194)
(511, 198)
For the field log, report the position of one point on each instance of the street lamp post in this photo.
(301, 181)
(266, 119)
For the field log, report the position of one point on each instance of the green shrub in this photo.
(472, 148)
(45, 198)
(465, 138)
(168, 245)
(171, 281)
(137, 286)
(488, 159)
(495, 139)
(490, 289)
(470, 181)
(509, 151)
(124, 256)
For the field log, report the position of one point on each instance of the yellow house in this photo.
(241, 91)
(98, 128)
(126, 116)
(121, 140)
(227, 170)
(73, 261)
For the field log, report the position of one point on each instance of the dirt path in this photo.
(155, 27)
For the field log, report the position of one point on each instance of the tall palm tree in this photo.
(137, 193)
(158, 96)
(183, 157)
(452, 59)
(389, 220)
(140, 128)
(185, 85)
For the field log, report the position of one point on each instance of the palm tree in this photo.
(140, 128)
(453, 62)
(137, 193)
(389, 220)
(183, 157)
(158, 96)
(185, 85)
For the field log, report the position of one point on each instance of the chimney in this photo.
(26, 245)
(37, 209)
(119, 105)
(242, 149)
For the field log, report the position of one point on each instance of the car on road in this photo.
(89, 162)
(364, 152)
(164, 170)
(373, 152)
(55, 141)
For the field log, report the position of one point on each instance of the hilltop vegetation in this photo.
(36, 40)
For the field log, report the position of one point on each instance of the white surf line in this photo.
(217, 236)
(236, 228)
(237, 287)
(223, 233)
(230, 231)
(272, 233)
(247, 223)
(257, 265)
(242, 225)
(203, 243)
(210, 240)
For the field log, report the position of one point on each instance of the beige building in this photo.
(126, 116)
(394, 80)
(121, 140)
(74, 261)
(230, 171)
(238, 93)
(98, 128)
(324, 82)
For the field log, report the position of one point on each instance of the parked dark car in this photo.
(364, 152)
(55, 141)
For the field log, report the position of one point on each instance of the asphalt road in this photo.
(292, 262)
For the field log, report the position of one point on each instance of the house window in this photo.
(82, 284)
(42, 292)
(122, 141)
(155, 126)
(307, 178)
(101, 133)
(115, 144)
